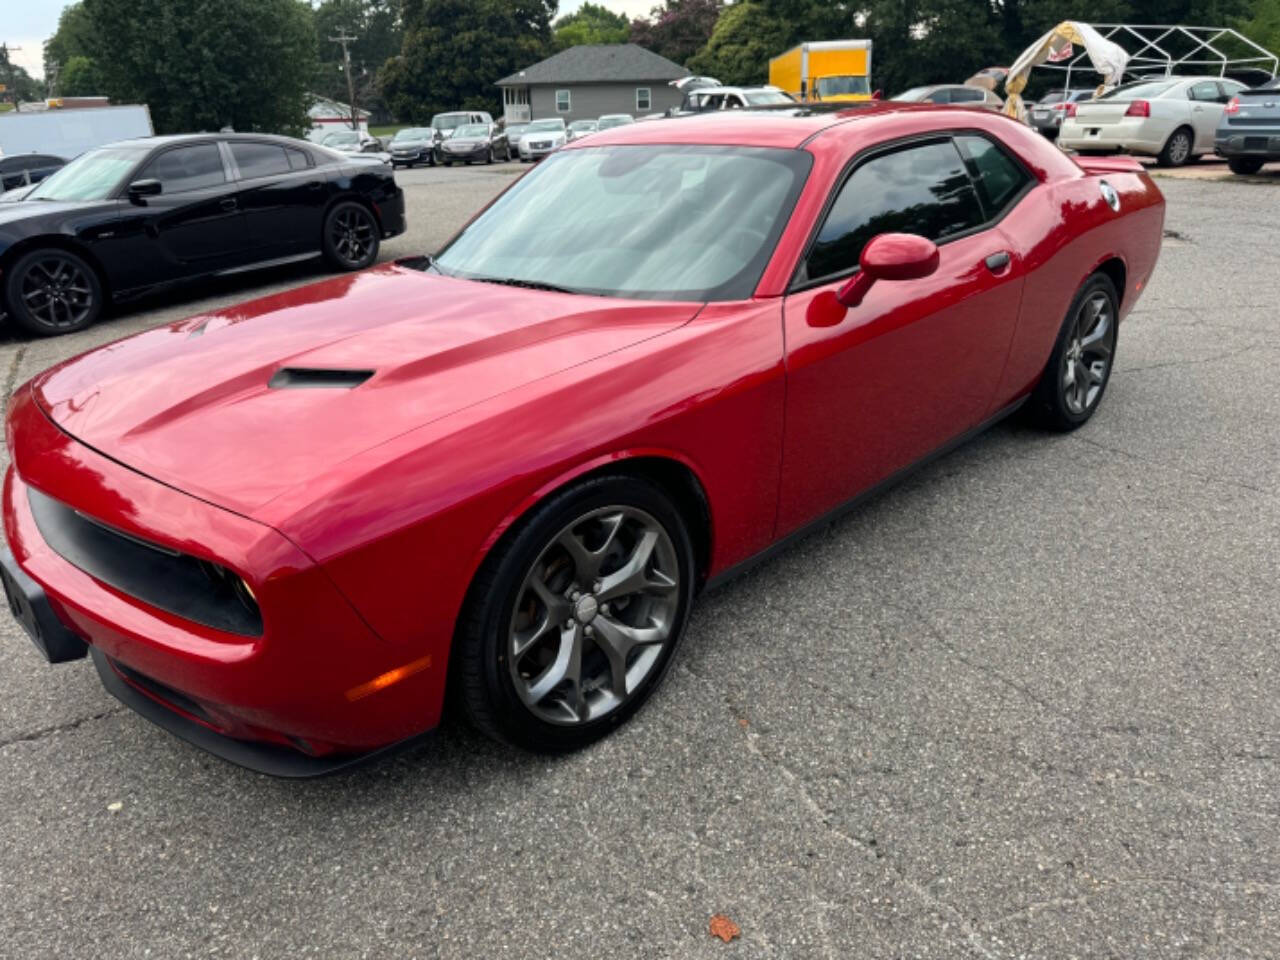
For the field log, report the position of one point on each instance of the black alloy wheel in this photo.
(1076, 376)
(53, 291)
(351, 237)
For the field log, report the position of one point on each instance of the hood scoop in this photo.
(312, 378)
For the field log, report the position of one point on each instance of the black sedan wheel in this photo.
(53, 291)
(573, 620)
(350, 236)
(1076, 376)
(1245, 166)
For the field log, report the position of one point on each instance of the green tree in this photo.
(678, 29)
(80, 77)
(591, 23)
(744, 39)
(19, 84)
(205, 64)
(456, 50)
(378, 31)
(71, 39)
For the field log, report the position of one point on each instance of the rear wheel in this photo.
(573, 620)
(1076, 376)
(1245, 165)
(350, 239)
(53, 291)
(1177, 149)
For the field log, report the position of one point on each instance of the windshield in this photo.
(338, 139)
(767, 98)
(542, 126)
(412, 133)
(840, 86)
(680, 223)
(445, 121)
(516, 129)
(91, 176)
(915, 93)
(1053, 96)
(1139, 90)
(471, 130)
(582, 125)
(608, 122)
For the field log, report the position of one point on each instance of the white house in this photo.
(329, 115)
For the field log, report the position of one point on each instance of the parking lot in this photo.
(1026, 704)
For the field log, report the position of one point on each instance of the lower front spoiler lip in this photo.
(30, 606)
(268, 758)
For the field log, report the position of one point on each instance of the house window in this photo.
(562, 101)
(643, 101)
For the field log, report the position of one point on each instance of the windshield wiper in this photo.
(526, 284)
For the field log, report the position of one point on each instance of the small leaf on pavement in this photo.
(724, 928)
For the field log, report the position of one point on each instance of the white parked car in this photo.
(351, 141)
(541, 137)
(1172, 119)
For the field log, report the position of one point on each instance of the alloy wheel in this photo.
(57, 292)
(1179, 148)
(1087, 359)
(352, 234)
(593, 615)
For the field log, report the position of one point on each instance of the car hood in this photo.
(194, 405)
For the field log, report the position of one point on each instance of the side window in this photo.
(259, 159)
(999, 178)
(562, 101)
(939, 96)
(968, 95)
(298, 159)
(922, 189)
(1207, 90)
(187, 168)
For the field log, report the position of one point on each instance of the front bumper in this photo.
(474, 153)
(302, 687)
(1262, 143)
(422, 155)
(528, 152)
(1130, 135)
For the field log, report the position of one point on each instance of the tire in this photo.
(527, 593)
(489, 157)
(1177, 149)
(53, 291)
(351, 238)
(448, 163)
(1244, 166)
(1083, 354)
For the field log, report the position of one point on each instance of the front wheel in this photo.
(350, 240)
(573, 620)
(1176, 150)
(53, 291)
(1245, 165)
(1076, 376)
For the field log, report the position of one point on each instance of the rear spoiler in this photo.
(1117, 164)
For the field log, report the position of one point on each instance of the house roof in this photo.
(325, 107)
(598, 63)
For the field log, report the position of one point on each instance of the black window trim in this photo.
(799, 282)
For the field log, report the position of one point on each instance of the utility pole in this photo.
(351, 83)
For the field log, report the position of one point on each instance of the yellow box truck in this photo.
(824, 70)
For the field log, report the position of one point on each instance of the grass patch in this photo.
(388, 131)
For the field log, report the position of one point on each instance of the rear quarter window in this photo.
(999, 178)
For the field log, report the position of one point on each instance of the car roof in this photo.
(789, 126)
(174, 138)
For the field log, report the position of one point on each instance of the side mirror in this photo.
(890, 256)
(145, 188)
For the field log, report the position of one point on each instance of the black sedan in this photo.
(1248, 134)
(130, 217)
(483, 142)
(26, 168)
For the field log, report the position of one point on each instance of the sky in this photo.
(29, 23)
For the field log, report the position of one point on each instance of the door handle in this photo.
(998, 261)
(228, 204)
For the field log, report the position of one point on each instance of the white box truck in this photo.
(69, 133)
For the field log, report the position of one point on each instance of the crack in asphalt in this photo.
(44, 732)
(1165, 364)
(13, 372)
(1203, 478)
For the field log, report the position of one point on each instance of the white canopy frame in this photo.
(1148, 46)
(1106, 56)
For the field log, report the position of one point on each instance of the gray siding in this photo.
(590, 100)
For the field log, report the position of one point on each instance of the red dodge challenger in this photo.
(282, 530)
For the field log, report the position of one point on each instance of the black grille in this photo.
(166, 579)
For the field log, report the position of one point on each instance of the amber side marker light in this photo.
(384, 680)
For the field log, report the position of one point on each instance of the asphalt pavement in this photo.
(1025, 705)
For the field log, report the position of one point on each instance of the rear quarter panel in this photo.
(1064, 231)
